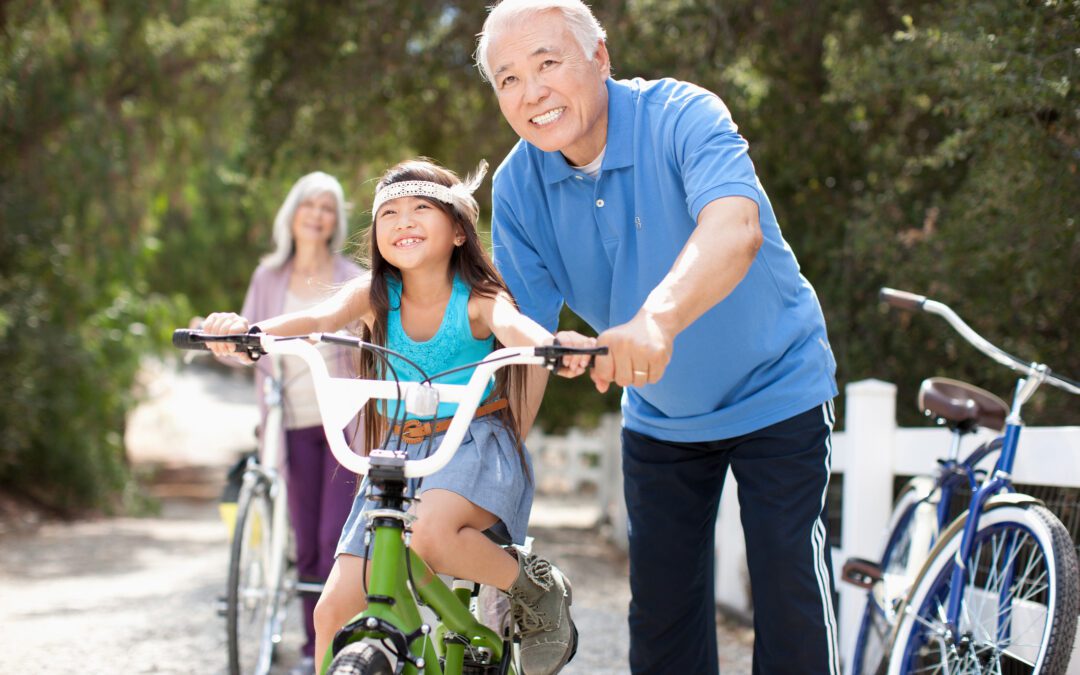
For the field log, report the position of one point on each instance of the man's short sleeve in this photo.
(522, 268)
(712, 156)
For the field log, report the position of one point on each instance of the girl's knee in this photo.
(329, 615)
(334, 609)
(429, 541)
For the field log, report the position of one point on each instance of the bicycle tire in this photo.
(251, 595)
(1020, 552)
(913, 523)
(360, 658)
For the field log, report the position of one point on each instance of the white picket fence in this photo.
(869, 453)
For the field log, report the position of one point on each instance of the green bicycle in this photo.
(391, 635)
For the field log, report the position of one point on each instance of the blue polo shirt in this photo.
(759, 356)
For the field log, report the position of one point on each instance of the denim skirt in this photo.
(486, 470)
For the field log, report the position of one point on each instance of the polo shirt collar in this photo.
(619, 152)
(620, 125)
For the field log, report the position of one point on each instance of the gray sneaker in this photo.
(540, 601)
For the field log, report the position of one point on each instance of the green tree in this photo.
(99, 102)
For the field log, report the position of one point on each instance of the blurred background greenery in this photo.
(146, 144)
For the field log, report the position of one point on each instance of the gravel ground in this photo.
(140, 595)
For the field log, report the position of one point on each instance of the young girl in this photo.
(433, 295)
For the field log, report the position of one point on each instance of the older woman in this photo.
(304, 268)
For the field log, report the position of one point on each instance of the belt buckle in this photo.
(413, 431)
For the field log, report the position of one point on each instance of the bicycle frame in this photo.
(955, 473)
(1000, 481)
(393, 614)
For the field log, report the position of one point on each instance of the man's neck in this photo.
(592, 143)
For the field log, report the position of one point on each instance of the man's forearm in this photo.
(711, 264)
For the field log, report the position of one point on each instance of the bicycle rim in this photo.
(252, 594)
(898, 565)
(1019, 603)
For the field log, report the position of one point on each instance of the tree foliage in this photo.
(112, 128)
(144, 147)
(969, 117)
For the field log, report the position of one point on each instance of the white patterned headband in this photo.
(459, 195)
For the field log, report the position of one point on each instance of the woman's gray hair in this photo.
(311, 185)
(579, 20)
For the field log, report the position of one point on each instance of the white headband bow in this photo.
(459, 195)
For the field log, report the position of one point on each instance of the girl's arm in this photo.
(346, 306)
(499, 316)
(514, 329)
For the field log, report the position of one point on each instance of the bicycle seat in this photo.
(962, 404)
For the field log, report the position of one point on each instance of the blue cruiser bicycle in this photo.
(994, 591)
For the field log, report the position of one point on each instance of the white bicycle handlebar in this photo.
(340, 399)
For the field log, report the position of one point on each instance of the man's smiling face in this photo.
(549, 91)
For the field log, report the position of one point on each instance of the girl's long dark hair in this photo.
(468, 261)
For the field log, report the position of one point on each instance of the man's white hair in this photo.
(579, 20)
(311, 185)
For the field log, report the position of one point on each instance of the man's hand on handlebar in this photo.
(639, 353)
(226, 323)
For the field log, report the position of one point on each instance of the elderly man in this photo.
(636, 203)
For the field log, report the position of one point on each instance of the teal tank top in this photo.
(452, 345)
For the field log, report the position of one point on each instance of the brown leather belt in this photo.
(415, 431)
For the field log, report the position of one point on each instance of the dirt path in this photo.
(120, 595)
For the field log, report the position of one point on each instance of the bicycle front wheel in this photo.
(252, 590)
(912, 531)
(1018, 603)
(360, 658)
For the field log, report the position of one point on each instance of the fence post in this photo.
(612, 502)
(870, 427)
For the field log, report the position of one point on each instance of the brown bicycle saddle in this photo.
(962, 404)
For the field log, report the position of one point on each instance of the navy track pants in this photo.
(672, 493)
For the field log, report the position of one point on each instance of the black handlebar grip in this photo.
(903, 299)
(596, 351)
(182, 338)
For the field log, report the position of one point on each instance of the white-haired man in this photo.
(636, 203)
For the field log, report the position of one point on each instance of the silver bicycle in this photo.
(262, 581)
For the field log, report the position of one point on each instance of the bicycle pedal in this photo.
(862, 573)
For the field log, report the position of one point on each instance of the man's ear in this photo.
(603, 59)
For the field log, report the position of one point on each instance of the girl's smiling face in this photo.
(413, 233)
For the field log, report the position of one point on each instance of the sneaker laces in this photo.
(523, 608)
(528, 619)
